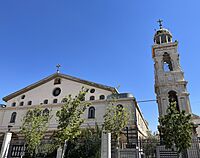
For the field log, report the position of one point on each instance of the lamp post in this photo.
(6, 143)
(127, 135)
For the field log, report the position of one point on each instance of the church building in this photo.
(48, 94)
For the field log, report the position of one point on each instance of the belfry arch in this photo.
(172, 96)
(167, 62)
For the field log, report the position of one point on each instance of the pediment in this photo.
(51, 78)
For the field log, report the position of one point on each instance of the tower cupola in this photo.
(162, 35)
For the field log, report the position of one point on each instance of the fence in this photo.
(141, 149)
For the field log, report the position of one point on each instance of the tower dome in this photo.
(162, 35)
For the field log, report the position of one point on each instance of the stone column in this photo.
(59, 152)
(106, 145)
(6, 144)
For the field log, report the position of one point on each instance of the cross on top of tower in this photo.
(58, 68)
(160, 23)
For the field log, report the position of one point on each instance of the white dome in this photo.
(162, 36)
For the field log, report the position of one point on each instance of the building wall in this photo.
(100, 109)
(141, 124)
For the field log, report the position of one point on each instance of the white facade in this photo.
(42, 94)
(44, 91)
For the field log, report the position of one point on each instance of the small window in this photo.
(23, 96)
(55, 101)
(29, 102)
(13, 117)
(92, 90)
(91, 112)
(14, 104)
(45, 101)
(92, 97)
(21, 103)
(57, 81)
(56, 91)
(102, 97)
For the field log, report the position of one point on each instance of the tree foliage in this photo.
(115, 119)
(88, 144)
(69, 117)
(34, 126)
(149, 144)
(176, 129)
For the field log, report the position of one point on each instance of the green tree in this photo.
(34, 126)
(176, 129)
(88, 144)
(69, 118)
(115, 120)
(149, 144)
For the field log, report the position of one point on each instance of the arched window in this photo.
(45, 101)
(163, 39)
(21, 103)
(30, 102)
(102, 97)
(13, 117)
(92, 97)
(57, 81)
(14, 104)
(46, 112)
(91, 112)
(23, 96)
(167, 64)
(55, 101)
(173, 98)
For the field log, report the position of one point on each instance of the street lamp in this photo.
(127, 135)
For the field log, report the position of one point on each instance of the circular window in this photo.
(92, 90)
(56, 92)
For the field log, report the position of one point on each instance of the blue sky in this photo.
(105, 41)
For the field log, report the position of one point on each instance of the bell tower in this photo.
(170, 84)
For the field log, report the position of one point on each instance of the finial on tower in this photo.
(162, 35)
(160, 23)
(58, 68)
